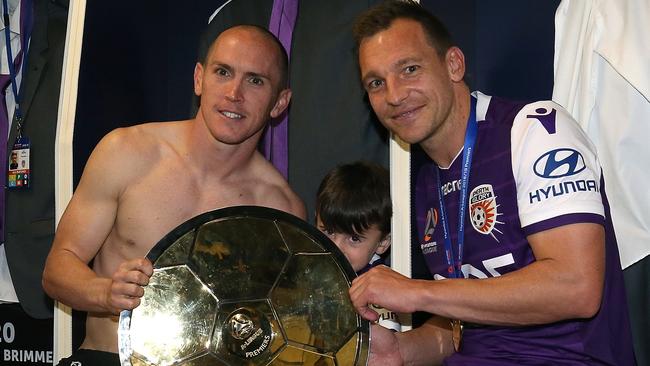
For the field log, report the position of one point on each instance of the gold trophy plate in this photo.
(245, 285)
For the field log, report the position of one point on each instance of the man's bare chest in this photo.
(149, 209)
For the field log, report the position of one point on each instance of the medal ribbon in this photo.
(454, 264)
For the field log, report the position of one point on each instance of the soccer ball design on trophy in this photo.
(245, 286)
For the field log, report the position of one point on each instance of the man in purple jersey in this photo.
(511, 216)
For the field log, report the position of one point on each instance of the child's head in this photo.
(353, 208)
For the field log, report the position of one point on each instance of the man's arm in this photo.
(83, 229)
(426, 345)
(565, 282)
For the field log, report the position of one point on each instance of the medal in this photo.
(457, 333)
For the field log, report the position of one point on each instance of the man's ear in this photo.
(384, 244)
(455, 60)
(281, 103)
(198, 79)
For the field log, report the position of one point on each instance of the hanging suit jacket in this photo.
(30, 212)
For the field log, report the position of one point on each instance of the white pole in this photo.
(400, 186)
(63, 154)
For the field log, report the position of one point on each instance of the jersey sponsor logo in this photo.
(450, 187)
(546, 118)
(559, 163)
(491, 267)
(483, 210)
(562, 188)
(429, 248)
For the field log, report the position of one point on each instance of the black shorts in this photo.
(89, 357)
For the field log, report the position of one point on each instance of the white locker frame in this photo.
(63, 154)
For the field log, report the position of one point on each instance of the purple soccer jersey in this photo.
(533, 169)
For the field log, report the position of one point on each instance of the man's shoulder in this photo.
(523, 117)
(126, 152)
(497, 109)
(141, 139)
(275, 189)
(509, 111)
(146, 133)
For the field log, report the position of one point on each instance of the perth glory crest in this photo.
(483, 210)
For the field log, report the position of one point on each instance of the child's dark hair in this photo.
(353, 197)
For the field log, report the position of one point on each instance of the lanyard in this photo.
(10, 60)
(454, 265)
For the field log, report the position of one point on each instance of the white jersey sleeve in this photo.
(554, 164)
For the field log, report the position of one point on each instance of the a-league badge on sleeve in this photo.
(19, 174)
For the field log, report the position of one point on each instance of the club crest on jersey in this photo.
(483, 210)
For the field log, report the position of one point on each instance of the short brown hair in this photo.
(381, 16)
(206, 47)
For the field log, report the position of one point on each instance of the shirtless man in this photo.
(141, 182)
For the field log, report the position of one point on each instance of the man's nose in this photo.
(396, 92)
(233, 91)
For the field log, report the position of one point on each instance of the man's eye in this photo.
(374, 84)
(256, 81)
(355, 238)
(411, 69)
(222, 72)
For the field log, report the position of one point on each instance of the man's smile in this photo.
(231, 115)
(406, 113)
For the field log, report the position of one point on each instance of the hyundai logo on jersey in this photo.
(561, 188)
(559, 163)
